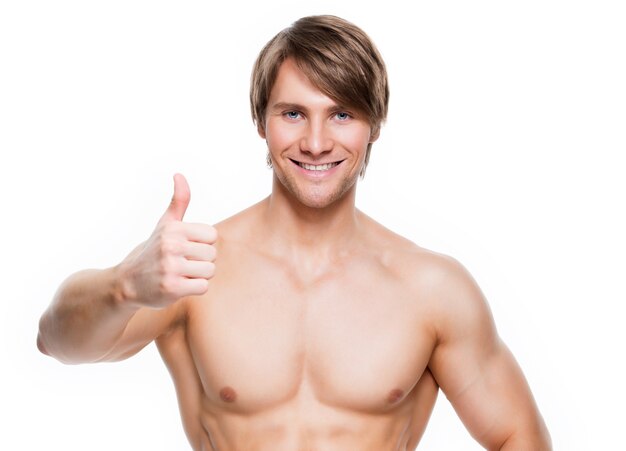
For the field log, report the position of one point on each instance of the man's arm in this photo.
(86, 317)
(111, 314)
(477, 372)
(90, 320)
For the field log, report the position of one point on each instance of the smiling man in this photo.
(316, 328)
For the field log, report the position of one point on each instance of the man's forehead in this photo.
(290, 72)
(293, 89)
(293, 86)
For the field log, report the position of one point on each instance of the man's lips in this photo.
(317, 167)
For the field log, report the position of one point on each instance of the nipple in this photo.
(228, 394)
(394, 396)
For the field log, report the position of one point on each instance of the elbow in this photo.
(538, 440)
(50, 343)
(55, 354)
(40, 345)
(53, 351)
(46, 341)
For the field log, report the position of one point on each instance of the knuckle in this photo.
(168, 286)
(210, 269)
(167, 267)
(212, 234)
(200, 286)
(169, 246)
(212, 253)
(203, 286)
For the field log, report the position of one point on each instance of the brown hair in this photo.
(337, 57)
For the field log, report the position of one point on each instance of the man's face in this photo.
(317, 147)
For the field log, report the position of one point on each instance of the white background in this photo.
(503, 148)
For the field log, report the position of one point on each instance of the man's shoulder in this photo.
(409, 259)
(440, 284)
(423, 269)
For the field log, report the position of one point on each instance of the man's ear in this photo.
(260, 130)
(375, 133)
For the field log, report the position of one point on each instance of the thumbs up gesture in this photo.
(176, 261)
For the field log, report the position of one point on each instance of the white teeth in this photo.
(319, 167)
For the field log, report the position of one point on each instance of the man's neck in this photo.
(301, 233)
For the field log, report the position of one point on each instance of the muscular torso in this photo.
(280, 357)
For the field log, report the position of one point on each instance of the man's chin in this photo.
(317, 197)
(321, 200)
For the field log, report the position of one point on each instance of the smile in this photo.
(317, 167)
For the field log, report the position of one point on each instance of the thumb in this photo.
(180, 199)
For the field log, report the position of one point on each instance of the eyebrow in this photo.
(282, 106)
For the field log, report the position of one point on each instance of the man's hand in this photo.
(176, 261)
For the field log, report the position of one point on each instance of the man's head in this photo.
(337, 57)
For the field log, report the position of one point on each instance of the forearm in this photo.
(86, 317)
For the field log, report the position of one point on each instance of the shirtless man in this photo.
(301, 323)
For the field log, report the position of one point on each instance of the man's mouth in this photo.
(317, 167)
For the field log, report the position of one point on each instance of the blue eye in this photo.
(292, 114)
(342, 116)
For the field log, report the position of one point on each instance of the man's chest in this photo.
(265, 341)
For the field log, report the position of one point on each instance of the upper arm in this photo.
(475, 369)
(145, 326)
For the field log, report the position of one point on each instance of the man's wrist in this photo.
(122, 290)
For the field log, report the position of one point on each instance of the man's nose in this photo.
(317, 139)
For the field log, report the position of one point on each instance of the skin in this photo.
(301, 323)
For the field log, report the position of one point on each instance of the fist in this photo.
(176, 261)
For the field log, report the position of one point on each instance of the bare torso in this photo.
(279, 357)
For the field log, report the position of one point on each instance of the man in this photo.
(316, 327)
